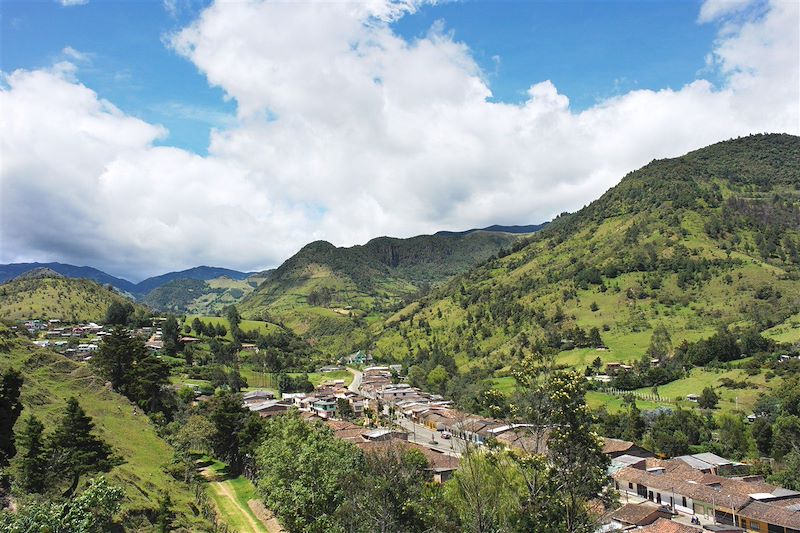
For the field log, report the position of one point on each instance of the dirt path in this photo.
(224, 490)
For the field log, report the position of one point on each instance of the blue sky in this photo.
(590, 50)
(342, 128)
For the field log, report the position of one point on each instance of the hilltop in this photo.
(328, 294)
(13, 270)
(696, 243)
(202, 273)
(39, 294)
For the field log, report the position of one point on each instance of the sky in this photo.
(146, 136)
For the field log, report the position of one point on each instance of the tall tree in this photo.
(10, 409)
(32, 464)
(169, 333)
(149, 381)
(119, 313)
(116, 357)
(229, 418)
(303, 473)
(74, 450)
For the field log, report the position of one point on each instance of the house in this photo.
(189, 340)
(709, 463)
(639, 514)
(324, 406)
(257, 396)
(617, 447)
(358, 358)
(270, 407)
(692, 397)
(746, 503)
(380, 434)
(330, 368)
(663, 525)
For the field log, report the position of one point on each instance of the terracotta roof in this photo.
(436, 460)
(662, 525)
(616, 445)
(772, 513)
(637, 514)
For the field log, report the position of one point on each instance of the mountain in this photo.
(696, 243)
(13, 270)
(327, 293)
(42, 294)
(496, 228)
(197, 273)
(198, 297)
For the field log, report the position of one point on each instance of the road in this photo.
(355, 385)
(423, 436)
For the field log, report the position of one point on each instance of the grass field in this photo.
(231, 497)
(263, 328)
(50, 379)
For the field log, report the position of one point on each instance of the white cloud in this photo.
(68, 3)
(714, 9)
(346, 131)
(74, 55)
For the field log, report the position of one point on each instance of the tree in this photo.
(169, 333)
(594, 338)
(733, 436)
(91, 511)
(116, 357)
(165, 515)
(74, 450)
(762, 434)
(32, 465)
(660, 343)
(786, 436)
(228, 417)
(343, 409)
(198, 327)
(708, 399)
(119, 313)
(149, 381)
(304, 473)
(486, 491)
(390, 493)
(193, 436)
(789, 475)
(437, 378)
(10, 409)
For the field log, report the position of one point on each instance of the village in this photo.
(698, 492)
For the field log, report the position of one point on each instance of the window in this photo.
(630, 485)
(684, 501)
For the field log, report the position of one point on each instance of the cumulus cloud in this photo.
(345, 131)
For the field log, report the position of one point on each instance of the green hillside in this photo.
(697, 243)
(51, 378)
(73, 300)
(330, 295)
(200, 297)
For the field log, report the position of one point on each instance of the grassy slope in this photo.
(50, 379)
(363, 284)
(199, 297)
(75, 300)
(474, 316)
(234, 511)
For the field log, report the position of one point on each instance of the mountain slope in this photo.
(202, 273)
(51, 378)
(73, 300)
(328, 294)
(529, 228)
(13, 270)
(693, 243)
(200, 297)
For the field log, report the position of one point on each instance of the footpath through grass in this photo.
(231, 497)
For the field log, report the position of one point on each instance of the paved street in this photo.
(355, 385)
(422, 435)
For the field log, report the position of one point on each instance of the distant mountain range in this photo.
(171, 282)
(497, 228)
